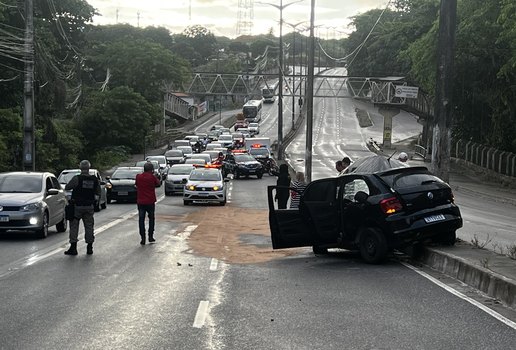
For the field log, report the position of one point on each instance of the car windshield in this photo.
(159, 159)
(128, 174)
(65, 178)
(174, 153)
(259, 151)
(205, 175)
(407, 179)
(180, 170)
(185, 150)
(225, 138)
(142, 163)
(20, 183)
(253, 125)
(244, 158)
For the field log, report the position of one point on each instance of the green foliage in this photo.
(198, 44)
(10, 139)
(116, 117)
(106, 158)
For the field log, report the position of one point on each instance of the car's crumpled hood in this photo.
(19, 199)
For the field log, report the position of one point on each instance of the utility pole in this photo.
(441, 141)
(29, 148)
(280, 86)
(310, 97)
(138, 18)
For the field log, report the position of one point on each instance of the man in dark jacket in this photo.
(146, 184)
(86, 189)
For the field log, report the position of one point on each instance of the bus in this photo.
(269, 92)
(252, 111)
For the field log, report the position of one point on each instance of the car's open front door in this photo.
(288, 228)
(320, 203)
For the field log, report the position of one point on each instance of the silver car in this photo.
(31, 201)
(67, 174)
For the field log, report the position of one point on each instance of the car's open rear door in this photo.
(320, 202)
(288, 229)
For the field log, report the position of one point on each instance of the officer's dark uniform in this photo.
(84, 187)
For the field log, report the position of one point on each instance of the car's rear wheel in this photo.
(42, 232)
(446, 238)
(62, 225)
(319, 250)
(373, 245)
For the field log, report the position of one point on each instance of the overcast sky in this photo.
(221, 16)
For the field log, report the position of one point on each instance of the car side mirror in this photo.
(52, 192)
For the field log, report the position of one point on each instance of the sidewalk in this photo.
(492, 273)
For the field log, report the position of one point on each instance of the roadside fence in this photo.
(486, 157)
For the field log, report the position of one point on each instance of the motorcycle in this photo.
(270, 166)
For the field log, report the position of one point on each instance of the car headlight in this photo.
(216, 188)
(191, 187)
(31, 207)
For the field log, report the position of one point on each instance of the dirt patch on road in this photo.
(234, 235)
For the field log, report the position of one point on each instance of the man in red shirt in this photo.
(146, 184)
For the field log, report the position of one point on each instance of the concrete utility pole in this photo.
(444, 90)
(29, 149)
(310, 97)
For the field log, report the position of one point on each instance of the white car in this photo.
(67, 174)
(205, 185)
(254, 128)
(212, 146)
(177, 177)
(225, 140)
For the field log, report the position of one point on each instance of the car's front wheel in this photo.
(185, 202)
(373, 245)
(42, 232)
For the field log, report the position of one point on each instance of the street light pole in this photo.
(280, 75)
(294, 26)
(310, 97)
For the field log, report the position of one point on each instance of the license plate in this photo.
(204, 194)
(123, 193)
(4, 218)
(434, 218)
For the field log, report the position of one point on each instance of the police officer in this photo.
(86, 189)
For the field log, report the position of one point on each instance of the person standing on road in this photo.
(298, 187)
(282, 194)
(146, 184)
(85, 191)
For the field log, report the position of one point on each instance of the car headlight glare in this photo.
(31, 207)
(191, 187)
(216, 188)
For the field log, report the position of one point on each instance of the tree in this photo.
(201, 41)
(116, 117)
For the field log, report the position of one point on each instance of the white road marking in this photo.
(214, 264)
(201, 314)
(482, 307)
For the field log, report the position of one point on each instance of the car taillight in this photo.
(390, 205)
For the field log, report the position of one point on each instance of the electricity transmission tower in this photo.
(245, 17)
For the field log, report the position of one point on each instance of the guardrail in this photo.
(420, 151)
(484, 156)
